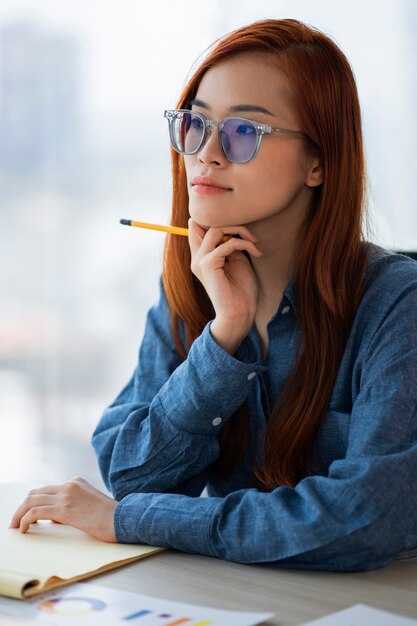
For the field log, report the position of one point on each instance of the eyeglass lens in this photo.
(238, 137)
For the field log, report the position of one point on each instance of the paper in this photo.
(83, 603)
(362, 615)
(52, 554)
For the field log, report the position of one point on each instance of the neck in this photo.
(278, 241)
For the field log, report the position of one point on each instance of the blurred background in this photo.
(83, 142)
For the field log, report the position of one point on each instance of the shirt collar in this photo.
(290, 293)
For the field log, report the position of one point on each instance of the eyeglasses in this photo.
(239, 138)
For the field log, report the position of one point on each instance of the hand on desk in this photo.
(76, 503)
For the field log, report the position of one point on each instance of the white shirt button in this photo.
(217, 421)
(251, 375)
(285, 310)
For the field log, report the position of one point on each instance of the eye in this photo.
(196, 122)
(245, 129)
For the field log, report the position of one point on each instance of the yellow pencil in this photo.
(173, 230)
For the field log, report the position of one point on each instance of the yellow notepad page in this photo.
(49, 555)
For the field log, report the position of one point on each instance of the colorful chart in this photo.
(86, 604)
(77, 606)
(72, 606)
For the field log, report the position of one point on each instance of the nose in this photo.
(211, 152)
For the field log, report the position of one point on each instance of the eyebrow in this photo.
(237, 108)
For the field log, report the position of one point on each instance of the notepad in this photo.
(50, 555)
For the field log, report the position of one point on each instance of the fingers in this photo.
(75, 503)
(217, 257)
(44, 501)
(34, 514)
(213, 240)
(210, 238)
(196, 234)
(208, 249)
(33, 495)
(32, 508)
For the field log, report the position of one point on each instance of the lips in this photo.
(202, 182)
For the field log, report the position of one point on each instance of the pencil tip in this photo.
(126, 222)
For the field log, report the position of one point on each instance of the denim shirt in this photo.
(156, 442)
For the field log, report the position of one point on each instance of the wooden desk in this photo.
(294, 596)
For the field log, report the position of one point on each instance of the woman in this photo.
(278, 368)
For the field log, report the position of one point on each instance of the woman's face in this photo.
(281, 177)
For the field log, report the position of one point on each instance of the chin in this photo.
(208, 218)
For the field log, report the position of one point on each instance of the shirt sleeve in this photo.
(160, 434)
(356, 517)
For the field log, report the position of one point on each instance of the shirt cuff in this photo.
(208, 387)
(167, 521)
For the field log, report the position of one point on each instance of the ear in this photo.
(314, 176)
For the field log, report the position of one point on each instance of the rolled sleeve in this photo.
(173, 521)
(207, 388)
(159, 435)
(340, 523)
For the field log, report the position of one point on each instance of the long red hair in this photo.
(331, 257)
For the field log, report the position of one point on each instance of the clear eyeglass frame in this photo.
(261, 130)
